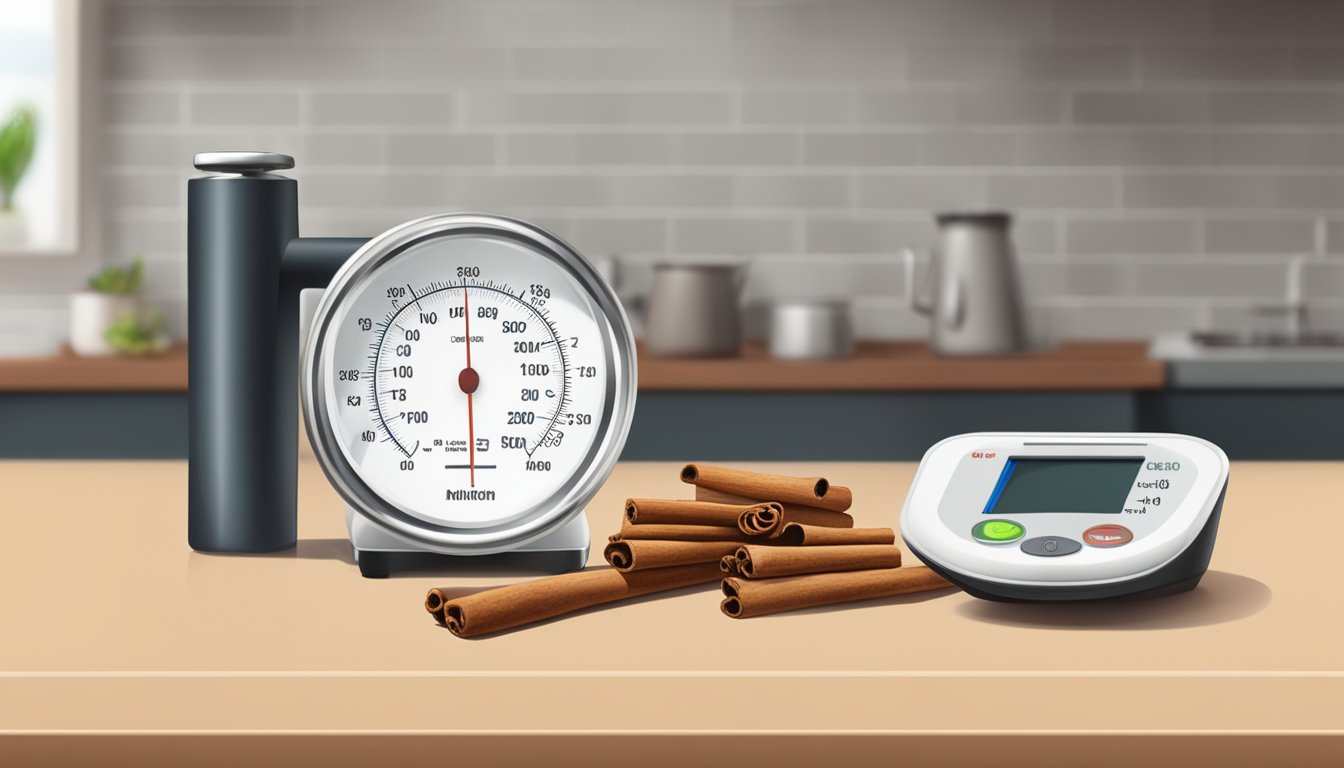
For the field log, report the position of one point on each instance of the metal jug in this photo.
(693, 311)
(970, 291)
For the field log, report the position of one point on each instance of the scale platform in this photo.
(379, 551)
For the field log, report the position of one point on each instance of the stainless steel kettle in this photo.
(970, 291)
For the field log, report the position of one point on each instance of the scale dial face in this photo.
(469, 382)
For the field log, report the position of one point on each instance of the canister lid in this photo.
(246, 163)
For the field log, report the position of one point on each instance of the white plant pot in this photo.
(13, 227)
(91, 314)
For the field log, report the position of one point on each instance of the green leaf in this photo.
(18, 138)
(120, 281)
(137, 333)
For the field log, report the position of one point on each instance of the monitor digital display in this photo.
(1096, 486)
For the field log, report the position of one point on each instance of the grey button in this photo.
(1050, 546)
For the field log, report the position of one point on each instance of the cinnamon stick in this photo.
(793, 513)
(808, 491)
(728, 565)
(756, 562)
(744, 598)
(630, 532)
(798, 535)
(685, 512)
(643, 554)
(434, 602)
(767, 521)
(518, 604)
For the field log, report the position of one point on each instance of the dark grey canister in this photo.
(243, 414)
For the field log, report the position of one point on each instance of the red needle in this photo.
(468, 380)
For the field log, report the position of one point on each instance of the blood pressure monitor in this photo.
(1049, 516)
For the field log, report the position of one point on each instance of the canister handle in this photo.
(918, 296)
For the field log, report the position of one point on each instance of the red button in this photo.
(1108, 535)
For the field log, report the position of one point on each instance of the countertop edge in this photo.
(562, 750)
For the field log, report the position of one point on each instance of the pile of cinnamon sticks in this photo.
(777, 543)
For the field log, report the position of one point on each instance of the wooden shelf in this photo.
(68, 372)
(911, 366)
(875, 366)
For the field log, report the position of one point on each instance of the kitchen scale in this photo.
(468, 380)
(1056, 516)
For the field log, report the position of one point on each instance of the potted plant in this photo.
(113, 295)
(139, 333)
(18, 136)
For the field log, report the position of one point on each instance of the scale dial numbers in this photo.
(472, 381)
(518, 374)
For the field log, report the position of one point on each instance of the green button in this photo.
(997, 531)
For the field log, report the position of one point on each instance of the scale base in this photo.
(378, 552)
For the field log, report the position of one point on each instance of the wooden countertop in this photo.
(123, 647)
(875, 366)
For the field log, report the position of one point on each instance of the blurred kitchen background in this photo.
(1171, 166)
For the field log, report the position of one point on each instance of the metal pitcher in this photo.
(970, 291)
(693, 311)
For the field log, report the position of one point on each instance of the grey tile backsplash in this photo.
(1165, 158)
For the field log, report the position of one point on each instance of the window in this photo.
(39, 127)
